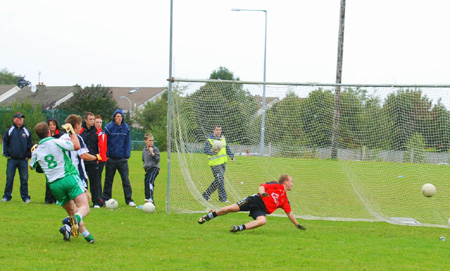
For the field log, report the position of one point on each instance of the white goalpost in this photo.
(391, 140)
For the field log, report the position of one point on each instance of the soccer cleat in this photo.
(65, 221)
(96, 206)
(132, 204)
(234, 229)
(203, 219)
(65, 231)
(90, 239)
(73, 222)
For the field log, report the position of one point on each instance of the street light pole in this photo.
(129, 101)
(263, 106)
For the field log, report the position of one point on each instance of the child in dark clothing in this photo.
(150, 157)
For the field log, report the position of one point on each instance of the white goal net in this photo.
(389, 141)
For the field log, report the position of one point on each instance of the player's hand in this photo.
(99, 158)
(300, 227)
(264, 195)
(69, 129)
(34, 148)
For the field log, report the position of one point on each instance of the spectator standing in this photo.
(118, 153)
(151, 158)
(17, 145)
(89, 134)
(102, 145)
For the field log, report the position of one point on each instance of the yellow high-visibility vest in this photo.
(220, 157)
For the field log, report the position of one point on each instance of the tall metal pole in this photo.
(263, 105)
(337, 96)
(169, 110)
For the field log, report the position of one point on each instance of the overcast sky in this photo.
(126, 43)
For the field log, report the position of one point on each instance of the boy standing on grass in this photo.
(63, 178)
(150, 157)
(271, 196)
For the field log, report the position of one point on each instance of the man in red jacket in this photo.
(102, 144)
(271, 196)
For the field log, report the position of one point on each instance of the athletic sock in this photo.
(212, 215)
(241, 227)
(85, 233)
(78, 216)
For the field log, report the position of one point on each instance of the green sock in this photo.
(78, 217)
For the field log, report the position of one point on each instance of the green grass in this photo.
(128, 239)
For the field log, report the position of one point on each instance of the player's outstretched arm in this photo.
(294, 221)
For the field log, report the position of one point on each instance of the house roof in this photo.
(137, 96)
(51, 96)
(47, 96)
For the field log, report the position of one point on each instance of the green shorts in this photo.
(66, 188)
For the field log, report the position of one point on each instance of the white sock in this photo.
(85, 233)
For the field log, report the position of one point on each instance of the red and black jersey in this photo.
(277, 197)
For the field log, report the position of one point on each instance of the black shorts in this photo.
(253, 204)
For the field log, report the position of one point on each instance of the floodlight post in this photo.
(263, 105)
(129, 101)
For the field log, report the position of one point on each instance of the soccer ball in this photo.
(428, 190)
(217, 145)
(112, 204)
(149, 208)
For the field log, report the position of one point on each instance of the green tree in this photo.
(410, 114)
(33, 115)
(284, 126)
(96, 99)
(9, 78)
(317, 116)
(225, 104)
(153, 119)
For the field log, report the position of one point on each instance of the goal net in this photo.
(364, 160)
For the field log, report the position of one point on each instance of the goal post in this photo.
(391, 140)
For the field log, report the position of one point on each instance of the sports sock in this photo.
(212, 215)
(241, 227)
(78, 217)
(85, 233)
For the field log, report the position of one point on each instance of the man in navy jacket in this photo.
(119, 150)
(17, 145)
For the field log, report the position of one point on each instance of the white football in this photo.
(149, 208)
(217, 145)
(112, 204)
(428, 190)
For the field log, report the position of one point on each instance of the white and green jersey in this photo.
(51, 156)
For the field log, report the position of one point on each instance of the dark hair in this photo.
(87, 114)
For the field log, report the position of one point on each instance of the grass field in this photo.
(128, 239)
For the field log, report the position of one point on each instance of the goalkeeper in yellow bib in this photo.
(217, 160)
(62, 176)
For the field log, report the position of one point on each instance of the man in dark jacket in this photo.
(89, 134)
(17, 145)
(119, 150)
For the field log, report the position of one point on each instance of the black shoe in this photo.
(234, 229)
(203, 219)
